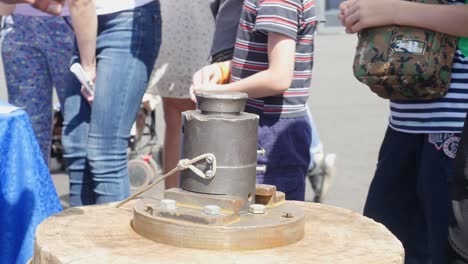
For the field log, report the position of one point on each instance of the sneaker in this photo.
(321, 175)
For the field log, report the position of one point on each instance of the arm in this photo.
(84, 19)
(53, 7)
(357, 15)
(274, 80)
(6, 9)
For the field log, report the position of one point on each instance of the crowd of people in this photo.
(263, 48)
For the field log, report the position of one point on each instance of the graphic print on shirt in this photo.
(448, 142)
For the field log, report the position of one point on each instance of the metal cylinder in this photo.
(220, 127)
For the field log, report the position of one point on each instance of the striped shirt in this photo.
(292, 18)
(444, 115)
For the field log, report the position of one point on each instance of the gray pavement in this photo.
(351, 121)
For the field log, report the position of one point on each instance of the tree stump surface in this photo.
(103, 234)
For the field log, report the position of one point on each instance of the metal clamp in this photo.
(188, 164)
(181, 165)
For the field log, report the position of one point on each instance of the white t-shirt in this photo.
(102, 7)
(111, 6)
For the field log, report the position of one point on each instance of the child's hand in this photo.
(207, 87)
(206, 76)
(357, 15)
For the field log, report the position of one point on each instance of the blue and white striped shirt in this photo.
(443, 115)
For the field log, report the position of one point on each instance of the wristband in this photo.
(225, 72)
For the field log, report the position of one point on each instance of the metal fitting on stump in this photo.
(220, 127)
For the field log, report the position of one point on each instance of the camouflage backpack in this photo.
(405, 63)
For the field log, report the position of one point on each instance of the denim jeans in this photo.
(95, 139)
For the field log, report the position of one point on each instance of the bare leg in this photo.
(173, 107)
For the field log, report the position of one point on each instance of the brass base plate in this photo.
(282, 224)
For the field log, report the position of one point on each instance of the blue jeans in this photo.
(410, 192)
(286, 143)
(95, 139)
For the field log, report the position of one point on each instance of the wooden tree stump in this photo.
(103, 234)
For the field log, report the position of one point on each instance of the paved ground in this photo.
(351, 121)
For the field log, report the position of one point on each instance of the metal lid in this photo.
(221, 102)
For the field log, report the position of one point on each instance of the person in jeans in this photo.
(409, 193)
(118, 51)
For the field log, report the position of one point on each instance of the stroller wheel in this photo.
(141, 172)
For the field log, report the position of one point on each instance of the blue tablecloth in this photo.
(27, 193)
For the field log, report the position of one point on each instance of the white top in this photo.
(111, 6)
(102, 7)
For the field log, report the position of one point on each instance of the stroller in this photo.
(144, 151)
(145, 154)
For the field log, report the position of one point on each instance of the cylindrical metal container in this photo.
(220, 127)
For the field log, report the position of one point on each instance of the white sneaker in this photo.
(322, 174)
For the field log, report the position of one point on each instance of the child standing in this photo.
(272, 63)
(410, 190)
